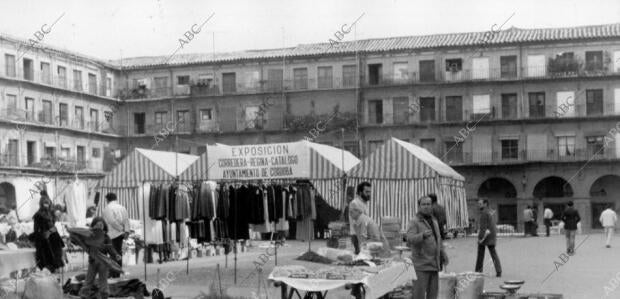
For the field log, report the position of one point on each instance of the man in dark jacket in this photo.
(439, 212)
(570, 218)
(427, 252)
(487, 236)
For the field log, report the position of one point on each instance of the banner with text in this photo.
(260, 161)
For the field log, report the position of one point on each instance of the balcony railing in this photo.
(41, 118)
(511, 156)
(60, 82)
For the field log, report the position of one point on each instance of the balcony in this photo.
(46, 119)
(391, 80)
(524, 156)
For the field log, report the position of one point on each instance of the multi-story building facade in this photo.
(527, 116)
(57, 121)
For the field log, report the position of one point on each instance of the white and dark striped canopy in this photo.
(397, 159)
(144, 165)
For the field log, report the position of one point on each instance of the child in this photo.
(98, 243)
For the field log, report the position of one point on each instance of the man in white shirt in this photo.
(360, 202)
(117, 219)
(547, 216)
(608, 219)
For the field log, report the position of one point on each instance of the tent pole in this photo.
(144, 259)
(344, 184)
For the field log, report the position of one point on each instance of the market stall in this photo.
(400, 173)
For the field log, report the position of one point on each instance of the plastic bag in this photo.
(43, 284)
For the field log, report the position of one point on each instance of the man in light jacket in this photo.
(487, 236)
(608, 219)
(117, 219)
(427, 252)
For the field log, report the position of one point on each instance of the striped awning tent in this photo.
(138, 167)
(400, 173)
(326, 165)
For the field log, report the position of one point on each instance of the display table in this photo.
(16, 260)
(373, 285)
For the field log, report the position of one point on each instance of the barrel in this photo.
(469, 285)
(447, 286)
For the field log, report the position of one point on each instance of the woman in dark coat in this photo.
(47, 241)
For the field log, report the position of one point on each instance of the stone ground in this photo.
(537, 260)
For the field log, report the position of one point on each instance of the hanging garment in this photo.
(76, 203)
(181, 204)
(305, 230)
(239, 217)
(153, 229)
(223, 204)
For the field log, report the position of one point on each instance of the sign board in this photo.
(259, 161)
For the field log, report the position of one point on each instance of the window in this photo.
(427, 109)
(375, 111)
(109, 118)
(373, 145)
(454, 152)
(161, 86)
(325, 77)
(251, 79)
(594, 102)
(594, 61)
(96, 152)
(536, 66)
(108, 87)
(28, 69)
(161, 117)
(9, 63)
(11, 103)
(29, 105)
(510, 149)
(563, 63)
(13, 152)
(565, 104)
(94, 120)
(427, 70)
(50, 152)
(79, 117)
(508, 66)
(275, 78)
(46, 113)
(374, 74)
(229, 82)
(206, 114)
(92, 83)
(63, 115)
(509, 106)
(617, 101)
(205, 80)
(77, 80)
(348, 75)
(400, 106)
(253, 119)
(352, 147)
(183, 80)
(81, 155)
(480, 69)
(428, 144)
(595, 145)
(138, 123)
(31, 152)
(566, 146)
(401, 72)
(537, 104)
(454, 108)
(454, 65)
(183, 120)
(482, 106)
(62, 76)
(65, 153)
(46, 75)
(300, 77)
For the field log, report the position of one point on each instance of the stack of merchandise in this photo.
(391, 229)
(339, 235)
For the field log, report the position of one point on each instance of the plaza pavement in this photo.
(537, 260)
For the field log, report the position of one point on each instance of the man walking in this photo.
(570, 218)
(487, 236)
(439, 212)
(427, 252)
(547, 216)
(608, 219)
(117, 219)
(528, 218)
(360, 202)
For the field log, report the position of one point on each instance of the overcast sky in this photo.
(111, 29)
